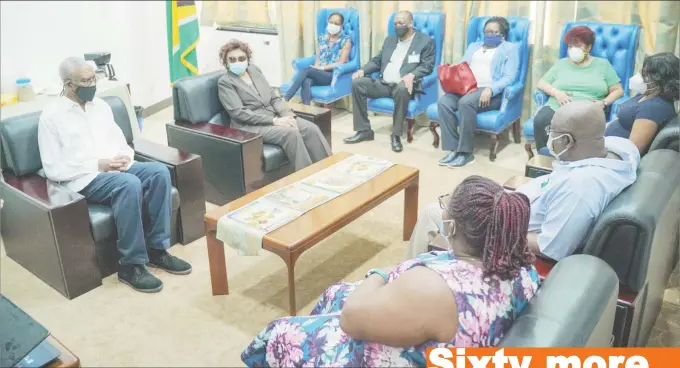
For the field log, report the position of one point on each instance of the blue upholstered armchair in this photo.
(431, 24)
(496, 122)
(614, 42)
(341, 85)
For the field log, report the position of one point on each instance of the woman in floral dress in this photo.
(467, 296)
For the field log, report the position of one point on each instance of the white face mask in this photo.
(576, 54)
(447, 236)
(637, 85)
(552, 149)
(333, 28)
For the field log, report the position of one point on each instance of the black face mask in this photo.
(401, 31)
(86, 93)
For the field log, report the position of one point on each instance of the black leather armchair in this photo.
(235, 162)
(668, 137)
(564, 313)
(53, 233)
(637, 235)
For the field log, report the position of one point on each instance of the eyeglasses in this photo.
(233, 59)
(86, 82)
(443, 201)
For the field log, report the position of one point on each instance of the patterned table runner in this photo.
(243, 229)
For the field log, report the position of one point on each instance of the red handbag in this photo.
(457, 78)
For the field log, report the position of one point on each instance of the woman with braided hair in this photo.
(467, 296)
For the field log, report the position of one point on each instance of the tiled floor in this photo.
(185, 325)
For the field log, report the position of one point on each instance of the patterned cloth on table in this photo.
(487, 306)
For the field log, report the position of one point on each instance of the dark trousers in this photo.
(144, 188)
(542, 120)
(365, 87)
(306, 78)
(459, 134)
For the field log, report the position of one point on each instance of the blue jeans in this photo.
(144, 188)
(306, 78)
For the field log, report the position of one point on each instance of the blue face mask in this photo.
(492, 40)
(238, 68)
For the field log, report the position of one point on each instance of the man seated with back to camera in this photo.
(83, 148)
(403, 62)
(589, 172)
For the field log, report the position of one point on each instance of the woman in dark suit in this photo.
(252, 106)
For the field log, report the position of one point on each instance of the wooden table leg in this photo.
(410, 208)
(218, 263)
(290, 262)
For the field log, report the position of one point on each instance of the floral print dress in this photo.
(487, 306)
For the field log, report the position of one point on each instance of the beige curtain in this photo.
(238, 13)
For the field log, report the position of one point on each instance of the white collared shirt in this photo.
(391, 73)
(480, 65)
(568, 201)
(72, 141)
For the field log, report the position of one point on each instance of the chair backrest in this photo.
(195, 99)
(350, 27)
(519, 34)
(19, 135)
(614, 42)
(430, 23)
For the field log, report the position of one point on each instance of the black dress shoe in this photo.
(366, 135)
(396, 143)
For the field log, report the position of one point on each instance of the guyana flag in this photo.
(182, 38)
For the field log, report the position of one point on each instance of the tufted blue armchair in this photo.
(496, 122)
(341, 85)
(431, 24)
(614, 42)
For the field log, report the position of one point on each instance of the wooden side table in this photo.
(538, 165)
(317, 115)
(67, 359)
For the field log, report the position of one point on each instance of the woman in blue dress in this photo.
(334, 48)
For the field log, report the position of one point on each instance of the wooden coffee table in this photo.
(66, 359)
(292, 239)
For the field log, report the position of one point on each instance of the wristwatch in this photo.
(378, 272)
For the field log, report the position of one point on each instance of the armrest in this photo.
(667, 137)
(302, 63)
(348, 67)
(161, 153)
(515, 182)
(510, 92)
(39, 191)
(308, 110)
(186, 171)
(624, 234)
(430, 79)
(217, 131)
(540, 97)
(564, 313)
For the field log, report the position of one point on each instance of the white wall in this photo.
(36, 36)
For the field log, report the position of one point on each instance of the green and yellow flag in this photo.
(182, 38)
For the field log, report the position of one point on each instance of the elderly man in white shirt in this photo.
(590, 171)
(82, 147)
(403, 62)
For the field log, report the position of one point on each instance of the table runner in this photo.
(243, 229)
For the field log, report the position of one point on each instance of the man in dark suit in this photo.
(403, 62)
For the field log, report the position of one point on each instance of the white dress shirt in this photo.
(568, 201)
(391, 73)
(73, 140)
(480, 64)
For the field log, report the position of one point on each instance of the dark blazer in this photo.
(421, 45)
(246, 106)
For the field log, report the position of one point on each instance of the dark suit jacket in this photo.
(421, 45)
(247, 107)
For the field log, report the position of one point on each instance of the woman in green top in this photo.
(577, 77)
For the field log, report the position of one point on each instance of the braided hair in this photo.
(495, 223)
